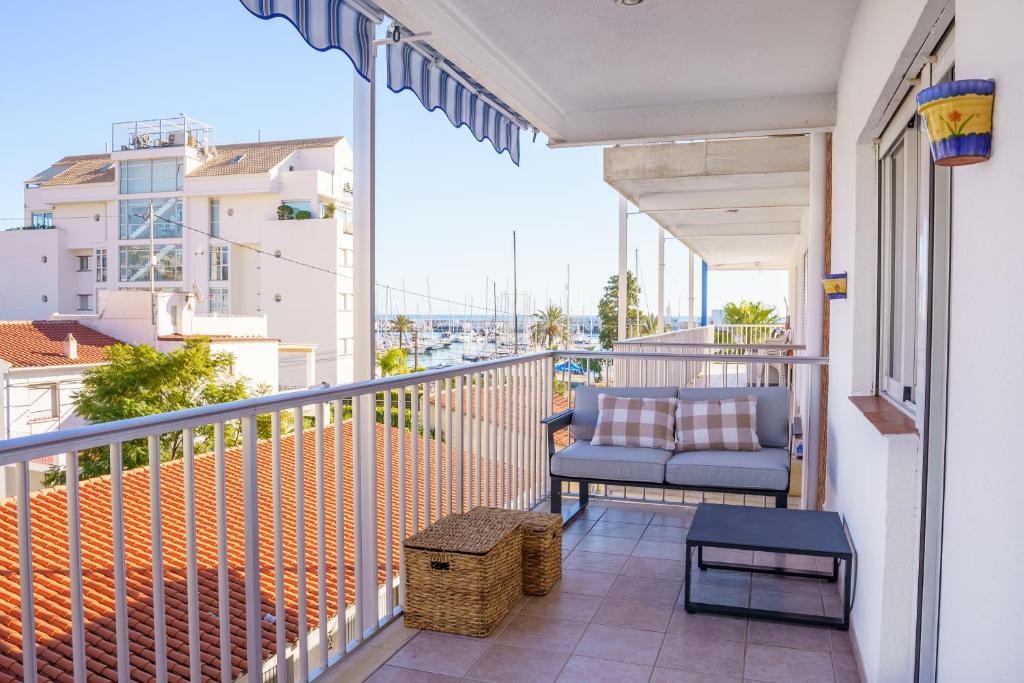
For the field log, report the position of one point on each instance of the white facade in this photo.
(254, 264)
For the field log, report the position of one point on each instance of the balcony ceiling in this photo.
(737, 203)
(594, 71)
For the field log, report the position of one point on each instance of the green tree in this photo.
(402, 324)
(750, 313)
(550, 327)
(392, 362)
(649, 324)
(608, 309)
(139, 380)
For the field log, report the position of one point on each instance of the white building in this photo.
(218, 233)
(40, 371)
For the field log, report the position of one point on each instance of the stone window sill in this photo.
(884, 416)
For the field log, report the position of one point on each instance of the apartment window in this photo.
(900, 266)
(43, 402)
(346, 257)
(291, 208)
(42, 219)
(219, 300)
(214, 218)
(83, 264)
(152, 175)
(219, 263)
(101, 265)
(133, 218)
(134, 263)
(85, 302)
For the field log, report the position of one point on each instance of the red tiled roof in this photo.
(50, 560)
(40, 343)
(79, 170)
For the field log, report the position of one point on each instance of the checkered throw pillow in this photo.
(640, 422)
(728, 424)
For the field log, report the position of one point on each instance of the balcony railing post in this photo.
(250, 509)
(28, 609)
(365, 460)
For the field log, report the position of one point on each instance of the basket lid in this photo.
(464, 533)
(533, 522)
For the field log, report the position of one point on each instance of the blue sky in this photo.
(446, 204)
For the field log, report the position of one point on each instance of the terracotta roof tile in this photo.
(50, 559)
(256, 157)
(40, 343)
(79, 170)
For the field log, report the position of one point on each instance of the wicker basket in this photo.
(542, 547)
(463, 574)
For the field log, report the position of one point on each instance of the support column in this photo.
(661, 281)
(623, 257)
(703, 293)
(689, 315)
(364, 359)
(815, 313)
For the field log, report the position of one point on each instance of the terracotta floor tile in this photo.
(786, 584)
(674, 676)
(580, 525)
(660, 549)
(786, 602)
(632, 614)
(781, 634)
(839, 641)
(570, 541)
(542, 633)
(629, 516)
(590, 670)
(593, 512)
(607, 544)
(618, 529)
(711, 625)
(585, 582)
(786, 665)
(718, 594)
(563, 605)
(595, 562)
(719, 577)
(642, 589)
(620, 644)
(440, 653)
(672, 519)
(668, 534)
(504, 663)
(654, 568)
(845, 666)
(701, 654)
(396, 674)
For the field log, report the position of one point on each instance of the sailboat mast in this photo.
(515, 299)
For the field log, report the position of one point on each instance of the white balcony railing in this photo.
(261, 550)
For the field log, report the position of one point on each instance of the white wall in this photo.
(982, 606)
(24, 278)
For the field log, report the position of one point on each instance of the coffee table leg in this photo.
(847, 586)
(835, 569)
(700, 557)
(686, 578)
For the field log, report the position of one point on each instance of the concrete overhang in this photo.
(737, 203)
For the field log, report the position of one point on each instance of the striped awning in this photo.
(329, 25)
(350, 26)
(439, 84)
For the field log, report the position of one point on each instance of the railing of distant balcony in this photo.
(462, 436)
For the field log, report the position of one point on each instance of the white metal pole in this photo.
(623, 256)
(152, 273)
(363, 204)
(689, 314)
(815, 313)
(661, 281)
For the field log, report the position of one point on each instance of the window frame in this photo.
(222, 299)
(45, 219)
(139, 176)
(165, 227)
(101, 265)
(88, 302)
(54, 395)
(174, 264)
(213, 216)
(220, 263)
(87, 267)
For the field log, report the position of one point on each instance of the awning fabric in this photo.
(350, 26)
(439, 84)
(326, 25)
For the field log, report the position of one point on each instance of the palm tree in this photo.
(648, 324)
(550, 327)
(402, 324)
(392, 362)
(750, 313)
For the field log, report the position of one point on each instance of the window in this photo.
(346, 257)
(85, 302)
(219, 300)
(294, 206)
(134, 218)
(152, 175)
(214, 218)
(219, 263)
(42, 219)
(900, 266)
(101, 265)
(83, 264)
(42, 402)
(134, 263)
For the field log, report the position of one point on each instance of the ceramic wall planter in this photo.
(958, 116)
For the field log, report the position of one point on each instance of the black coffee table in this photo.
(770, 530)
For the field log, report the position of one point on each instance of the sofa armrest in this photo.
(554, 423)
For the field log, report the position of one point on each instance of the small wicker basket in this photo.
(463, 574)
(542, 546)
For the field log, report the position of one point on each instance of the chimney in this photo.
(71, 347)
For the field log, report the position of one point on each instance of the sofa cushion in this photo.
(584, 413)
(583, 460)
(772, 409)
(766, 469)
(726, 424)
(638, 422)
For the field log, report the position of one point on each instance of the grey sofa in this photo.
(764, 472)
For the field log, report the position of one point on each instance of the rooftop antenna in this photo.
(259, 135)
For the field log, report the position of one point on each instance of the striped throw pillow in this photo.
(639, 422)
(728, 424)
